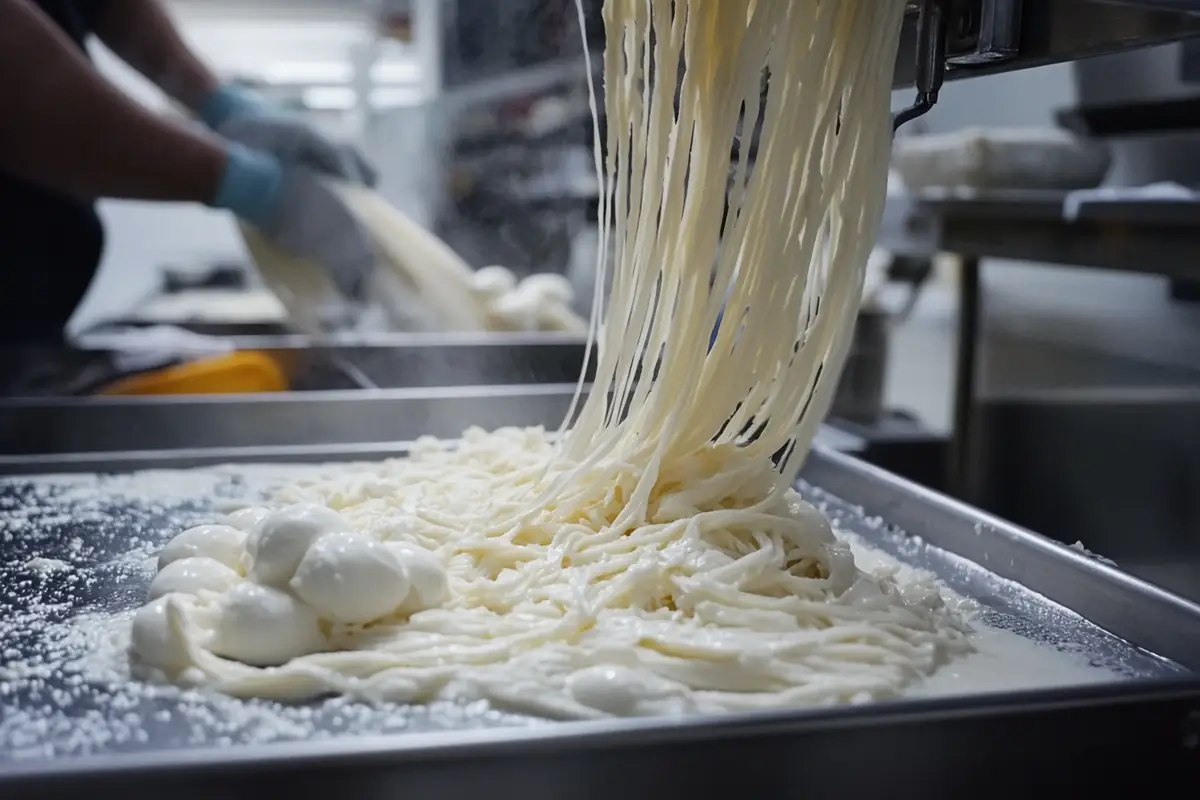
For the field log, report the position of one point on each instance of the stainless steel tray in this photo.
(207, 748)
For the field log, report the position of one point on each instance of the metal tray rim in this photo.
(1043, 544)
(558, 737)
(900, 502)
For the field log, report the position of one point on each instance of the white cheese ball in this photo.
(153, 642)
(493, 281)
(547, 287)
(280, 540)
(221, 543)
(193, 575)
(516, 310)
(264, 627)
(351, 578)
(428, 585)
(246, 518)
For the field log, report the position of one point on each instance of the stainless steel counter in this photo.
(1034, 456)
(1160, 237)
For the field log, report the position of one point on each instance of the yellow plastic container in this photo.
(248, 372)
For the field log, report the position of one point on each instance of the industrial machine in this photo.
(1142, 724)
(949, 39)
(1037, 381)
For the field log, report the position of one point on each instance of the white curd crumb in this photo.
(43, 566)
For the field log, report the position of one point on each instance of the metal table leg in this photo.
(959, 481)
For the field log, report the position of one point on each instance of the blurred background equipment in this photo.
(1075, 337)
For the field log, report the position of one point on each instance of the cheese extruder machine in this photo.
(66, 730)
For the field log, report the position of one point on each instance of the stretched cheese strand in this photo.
(308, 294)
(800, 227)
(654, 560)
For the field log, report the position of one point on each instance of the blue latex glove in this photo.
(298, 212)
(242, 116)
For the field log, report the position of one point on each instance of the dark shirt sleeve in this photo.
(91, 10)
(77, 18)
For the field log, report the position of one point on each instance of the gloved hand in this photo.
(241, 116)
(297, 211)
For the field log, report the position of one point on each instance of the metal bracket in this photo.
(931, 60)
(959, 33)
(984, 32)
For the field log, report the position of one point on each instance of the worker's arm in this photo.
(65, 127)
(142, 33)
